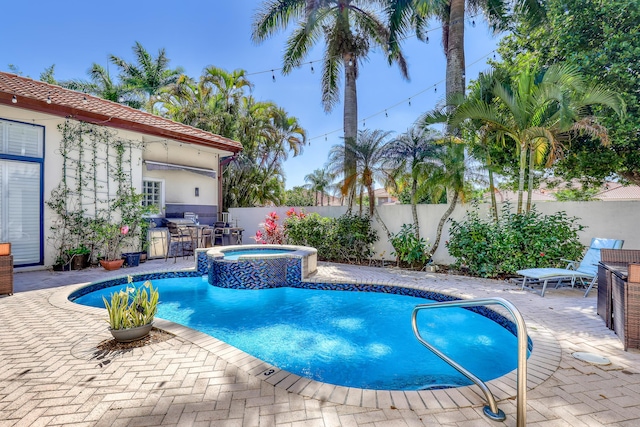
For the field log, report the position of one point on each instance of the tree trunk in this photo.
(454, 51)
(382, 224)
(532, 160)
(350, 122)
(372, 200)
(523, 163)
(414, 208)
(494, 203)
(454, 202)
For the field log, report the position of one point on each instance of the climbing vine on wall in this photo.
(96, 188)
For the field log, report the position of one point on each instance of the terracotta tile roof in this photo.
(616, 191)
(34, 95)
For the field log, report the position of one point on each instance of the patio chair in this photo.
(179, 237)
(586, 270)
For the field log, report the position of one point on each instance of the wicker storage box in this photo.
(612, 257)
(632, 309)
(6, 274)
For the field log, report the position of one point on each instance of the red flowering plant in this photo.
(273, 233)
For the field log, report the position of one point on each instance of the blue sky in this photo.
(73, 34)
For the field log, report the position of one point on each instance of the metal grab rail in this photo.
(491, 410)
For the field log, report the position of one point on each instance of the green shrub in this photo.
(348, 238)
(517, 241)
(408, 248)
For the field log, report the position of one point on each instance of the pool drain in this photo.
(591, 358)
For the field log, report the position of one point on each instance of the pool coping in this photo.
(543, 362)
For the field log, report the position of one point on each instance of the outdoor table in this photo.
(197, 234)
(232, 236)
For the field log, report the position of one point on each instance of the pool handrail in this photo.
(492, 411)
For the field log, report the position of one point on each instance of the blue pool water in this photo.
(354, 339)
(233, 255)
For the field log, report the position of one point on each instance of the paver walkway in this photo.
(51, 372)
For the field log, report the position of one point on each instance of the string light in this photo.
(84, 99)
(409, 102)
(49, 98)
(14, 99)
(273, 76)
(312, 70)
(426, 40)
(473, 23)
(386, 114)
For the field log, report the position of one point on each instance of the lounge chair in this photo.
(586, 270)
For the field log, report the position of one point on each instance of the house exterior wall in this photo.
(179, 185)
(615, 220)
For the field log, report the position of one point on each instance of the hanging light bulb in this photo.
(49, 99)
(473, 23)
(409, 102)
(435, 89)
(14, 99)
(121, 99)
(350, 63)
(426, 39)
(386, 114)
(312, 70)
(273, 76)
(84, 99)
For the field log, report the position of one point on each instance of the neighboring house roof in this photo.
(616, 191)
(611, 191)
(39, 96)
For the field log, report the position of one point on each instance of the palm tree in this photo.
(349, 28)
(404, 15)
(148, 75)
(369, 151)
(318, 182)
(406, 154)
(538, 112)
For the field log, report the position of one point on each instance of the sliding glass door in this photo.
(21, 162)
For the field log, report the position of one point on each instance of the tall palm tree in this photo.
(318, 182)
(405, 155)
(147, 74)
(538, 112)
(369, 151)
(404, 15)
(349, 28)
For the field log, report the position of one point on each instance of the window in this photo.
(153, 191)
(21, 162)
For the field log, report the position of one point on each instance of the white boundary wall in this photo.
(615, 220)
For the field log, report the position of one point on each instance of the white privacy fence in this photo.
(614, 220)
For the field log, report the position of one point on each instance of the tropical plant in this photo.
(369, 152)
(273, 233)
(132, 307)
(318, 181)
(603, 40)
(349, 29)
(405, 156)
(538, 112)
(147, 75)
(298, 196)
(409, 248)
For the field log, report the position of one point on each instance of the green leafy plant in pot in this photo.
(131, 311)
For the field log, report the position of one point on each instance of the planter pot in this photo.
(78, 262)
(131, 334)
(132, 259)
(143, 257)
(114, 264)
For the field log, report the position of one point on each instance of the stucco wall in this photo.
(619, 220)
(179, 185)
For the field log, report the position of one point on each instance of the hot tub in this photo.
(260, 266)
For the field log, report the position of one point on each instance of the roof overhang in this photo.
(151, 165)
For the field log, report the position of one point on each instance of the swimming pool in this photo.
(355, 339)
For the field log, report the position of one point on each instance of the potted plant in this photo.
(78, 257)
(111, 237)
(131, 311)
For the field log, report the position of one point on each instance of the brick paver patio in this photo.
(51, 372)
